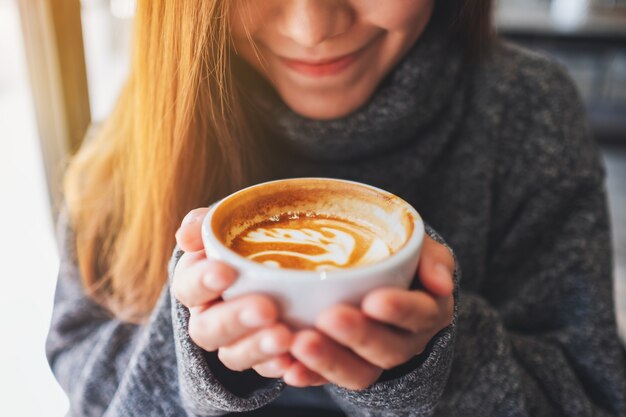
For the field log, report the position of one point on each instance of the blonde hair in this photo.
(177, 139)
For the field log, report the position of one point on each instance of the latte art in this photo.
(310, 242)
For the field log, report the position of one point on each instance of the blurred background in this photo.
(587, 36)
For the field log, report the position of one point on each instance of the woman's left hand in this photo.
(351, 347)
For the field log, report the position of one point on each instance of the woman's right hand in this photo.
(244, 331)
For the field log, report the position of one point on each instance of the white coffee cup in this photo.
(303, 294)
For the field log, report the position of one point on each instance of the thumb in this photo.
(189, 234)
(436, 268)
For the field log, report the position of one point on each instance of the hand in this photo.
(351, 347)
(244, 331)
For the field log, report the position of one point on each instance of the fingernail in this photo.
(252, 317)
(269, 345)
(275, 365)
(443, 273)
(190, 218)
(343, 325)
(214, 282)
(445, 276)
(313, 349)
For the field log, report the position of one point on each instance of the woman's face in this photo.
(326, 57)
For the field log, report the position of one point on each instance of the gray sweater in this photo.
(498, 159)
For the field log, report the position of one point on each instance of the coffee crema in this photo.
(310, 241)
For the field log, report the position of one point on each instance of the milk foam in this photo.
(334, 239)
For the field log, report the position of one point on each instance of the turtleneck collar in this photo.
(408, 98)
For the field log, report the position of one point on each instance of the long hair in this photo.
(178, 138)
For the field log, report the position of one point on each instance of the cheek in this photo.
(395, 15)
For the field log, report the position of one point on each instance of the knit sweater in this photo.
(497, 158)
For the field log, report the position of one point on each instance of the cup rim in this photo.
(237, 261)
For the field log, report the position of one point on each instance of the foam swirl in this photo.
(319, 244)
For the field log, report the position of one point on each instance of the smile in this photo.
(319, 68)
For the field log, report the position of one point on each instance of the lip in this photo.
(322, 67)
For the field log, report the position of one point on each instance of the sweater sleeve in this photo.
(111, 368)
(538, 336)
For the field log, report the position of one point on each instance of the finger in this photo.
(225, 322)
(198, 280)
(189, 234)
(300, 376)
(256, 348)
(375, 342)
(275, 367)
(415, 311)
(336, 363)
(188, 258)
(436, 268)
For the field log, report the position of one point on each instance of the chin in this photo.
(326, 106)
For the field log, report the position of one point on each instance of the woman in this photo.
(487, 141)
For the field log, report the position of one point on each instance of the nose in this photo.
(311, 22)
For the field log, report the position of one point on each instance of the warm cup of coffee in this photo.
(311, 243)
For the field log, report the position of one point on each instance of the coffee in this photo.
(313, 224)
(311, 241)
